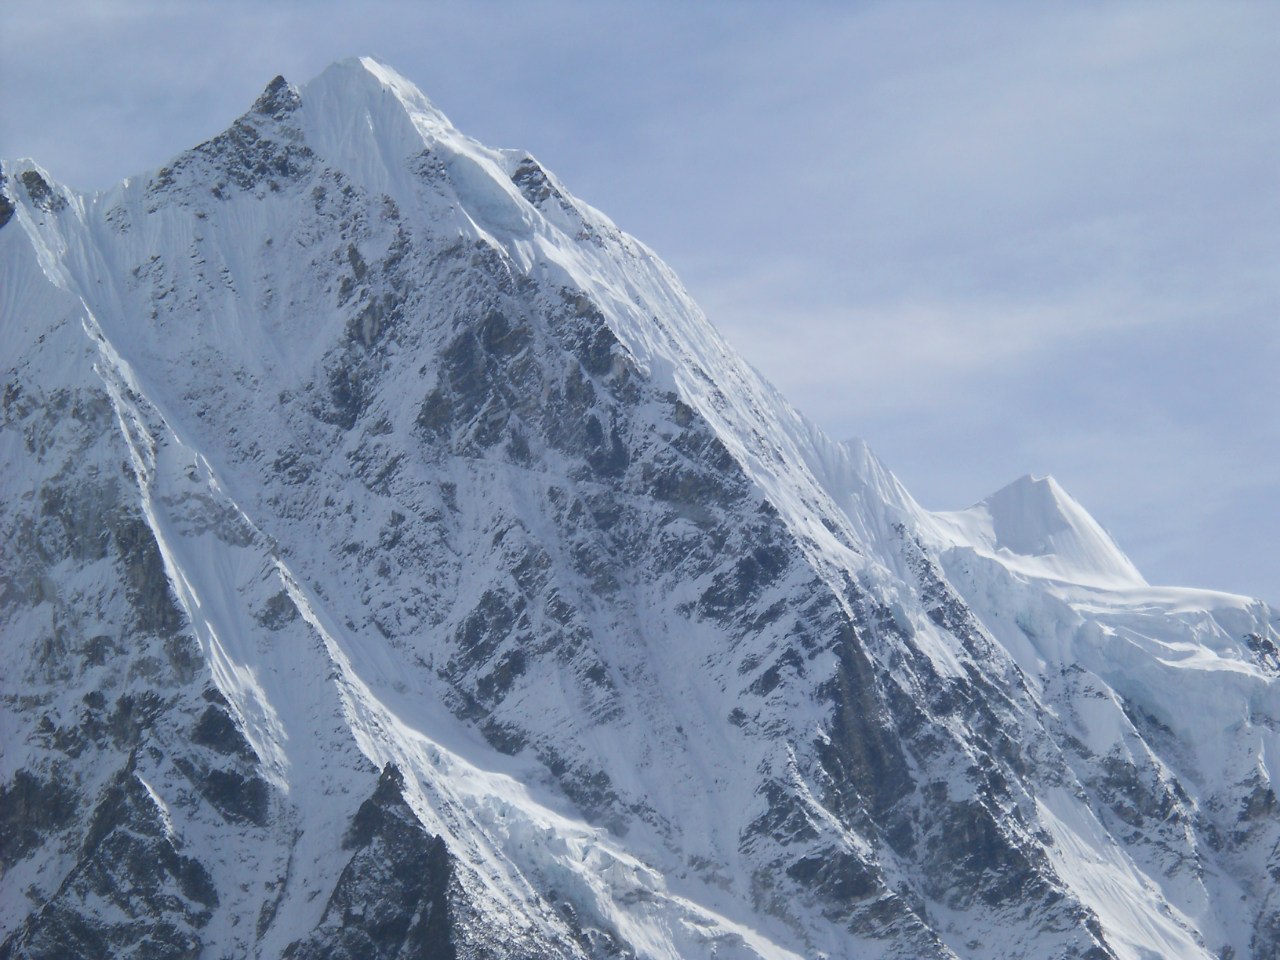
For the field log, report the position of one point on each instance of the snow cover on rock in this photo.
(396, 562)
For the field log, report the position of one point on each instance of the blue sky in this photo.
(990, 238)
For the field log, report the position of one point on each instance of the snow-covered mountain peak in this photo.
(362, 118)
(1034, 527)
(1027, 514)
(463, 591)
(366, 120)
(361, 88)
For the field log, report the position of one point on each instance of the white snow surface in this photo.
(1036, 528)
(329, 701)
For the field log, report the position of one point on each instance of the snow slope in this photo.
(396, 560)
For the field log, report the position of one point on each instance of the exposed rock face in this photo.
(393, 895)
(131, 863)
(397, 895)
(399, 566)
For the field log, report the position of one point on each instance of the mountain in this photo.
(397, 564)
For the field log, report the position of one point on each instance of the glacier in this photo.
(396, 563)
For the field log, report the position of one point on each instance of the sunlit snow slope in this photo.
(397, 564)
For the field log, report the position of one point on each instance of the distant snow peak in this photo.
(1035, 527)
(1030, 516)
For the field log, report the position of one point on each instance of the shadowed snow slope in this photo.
(395, 563)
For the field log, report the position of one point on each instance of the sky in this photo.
(989, 238)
